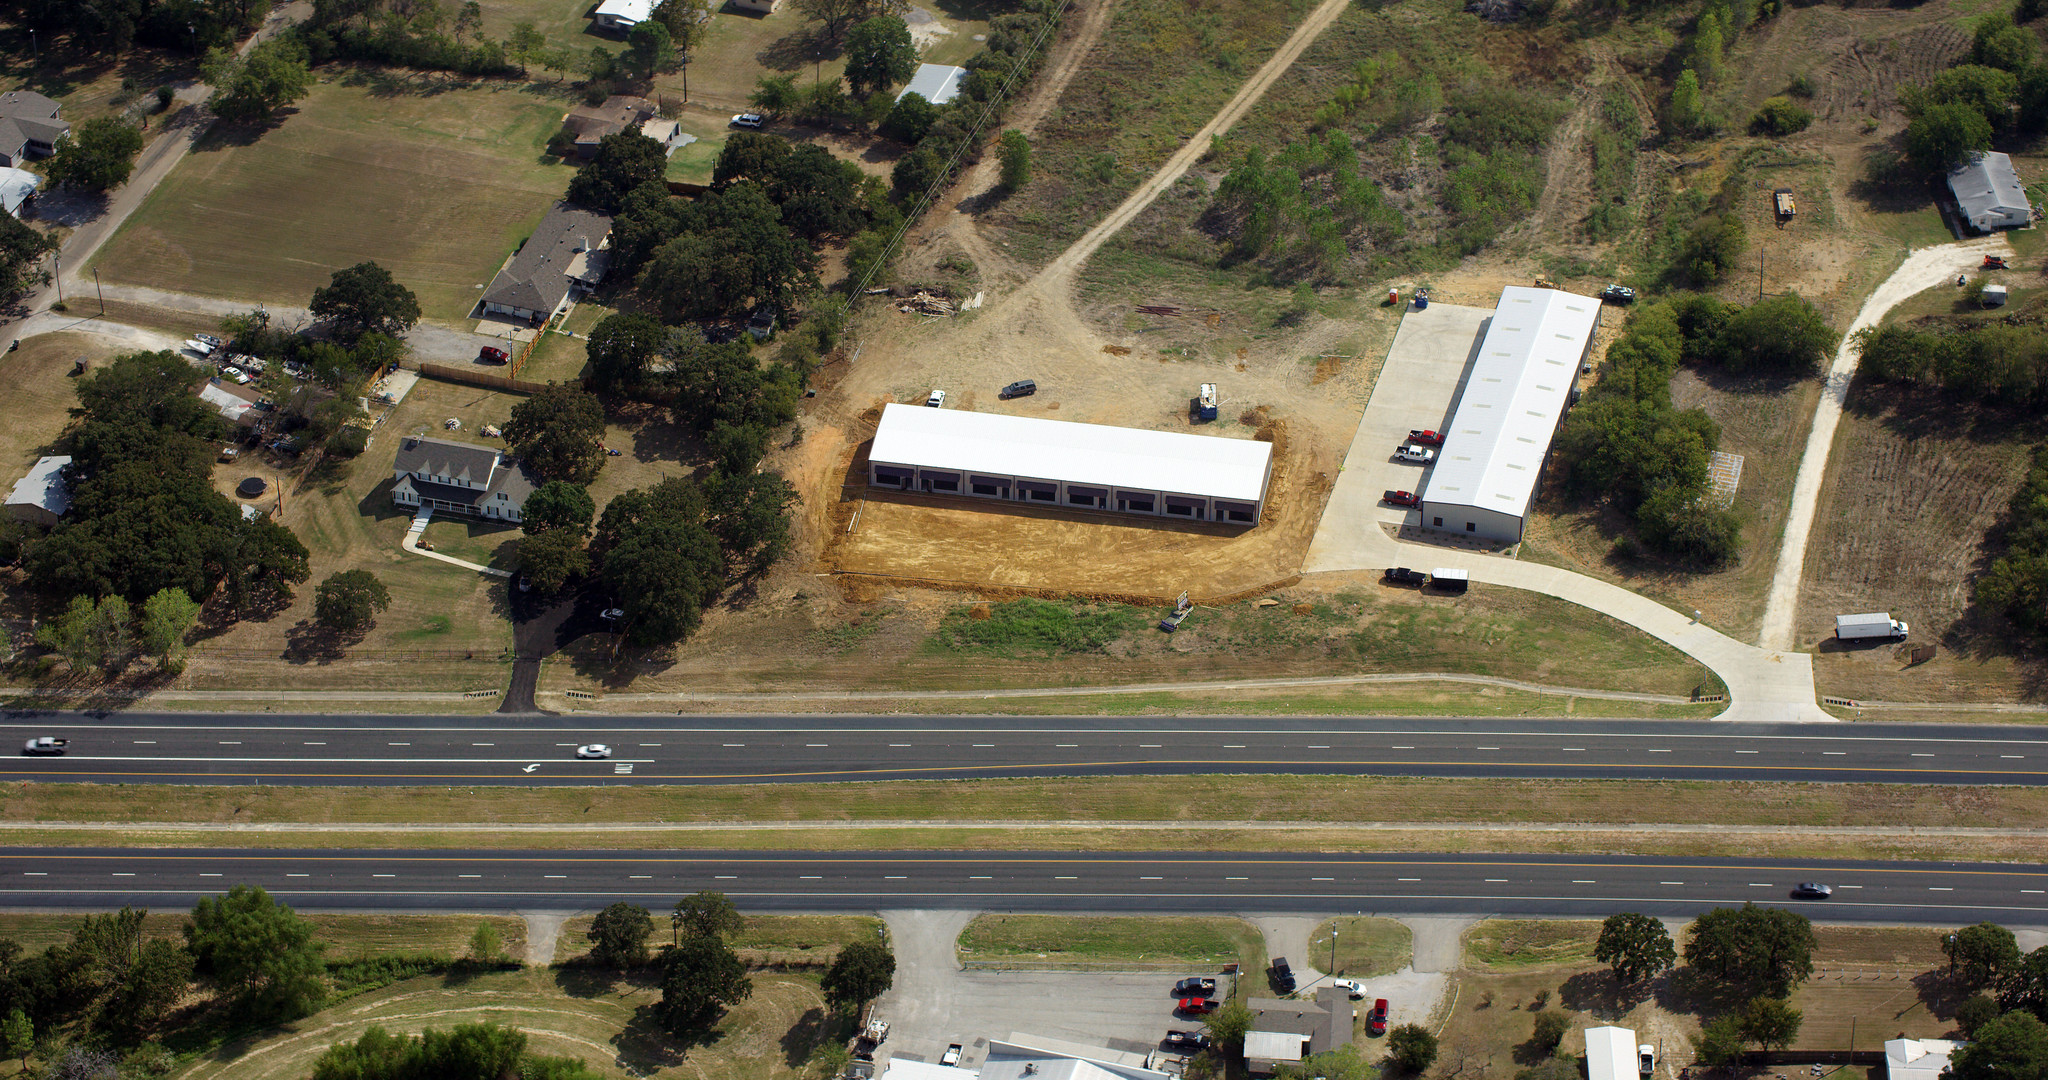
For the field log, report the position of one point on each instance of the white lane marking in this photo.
(1313, 747)
(979, 877)
(1404, 748)
(1848, 886)
(398, 744)
(565, 744)
(1584, 881)
(650, 744)
(2030, 890)
(811, 877)
(894, 877)
(1573, 749)
(121, 873)
(556, 876)
(1407, 879)
(816, 744)
(469, 875)
(1748, 751)
(1939, 888)
(1322, 879)
(1671, 883)
(383, 875)
(899, 744)
(1761, 885)
(209, 875)
(316, 744)
(298, 875)
(985, 745)
(483, 744)
(1496, 881)
(1151, 879)
(145, 742)
(728, 877)
(1148, 746)
(1236, 879)
(640, 877)
(1065, 877)
(1486, 748)
(2012, 757)
(1660, 751)
(235, 742)
(1923, 755)
(735, 744)
(1233, 746)
(1065, 745)
(35, 873)
(1834, 753)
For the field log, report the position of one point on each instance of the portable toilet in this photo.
(1393, 297)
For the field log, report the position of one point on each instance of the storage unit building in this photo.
(1060, 463)
(1486, 474)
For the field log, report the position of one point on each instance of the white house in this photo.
(1918, 1059)
(1989, 192)
(460, 478)
(624, 15)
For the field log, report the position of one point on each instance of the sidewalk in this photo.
(411, 543)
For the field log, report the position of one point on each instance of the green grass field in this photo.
(1366, 946)
(347, 937)
(437, 181)
(1511, 944)
(1198, 944)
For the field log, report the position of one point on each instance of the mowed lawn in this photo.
(437, 181)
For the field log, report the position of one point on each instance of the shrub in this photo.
(1779, 116)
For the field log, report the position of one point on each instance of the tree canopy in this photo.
(621, 347)
(558, 434)
(741, 254)
(707, 913)
(1412, 1048)
(365, 299)
(837, 15)
(1943, 135)
(482, 1051)
(259, 951)
(22, 250)
(862, 972)
(1983, 954)
(657, 557)
(99, 155)
(349, 600)
(624, 160)
(700, 979)
(1636, 946)
(2012, 1047)
(1764, 949)
(879, 54)
(559, 504)
(618, 936)
(252, 88)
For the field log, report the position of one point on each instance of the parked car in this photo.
(1281, 975)
(1196, 1006)
(612, 614)
(1020, 388)
(1186, 1040)
(237, 375)
(1425, 436)
(937, 400)
(951, 1056)
(1350, 986)
(1618, 294)
(1812, 890)
(44, 744)
(749, 120)
(1401, 575)
(1376, 1021)
(594, 750)
(1194, 987)
(1417, 454)
(491, 354)
(1402, 498)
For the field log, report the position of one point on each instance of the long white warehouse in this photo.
(1057, 462)
(1486, 475)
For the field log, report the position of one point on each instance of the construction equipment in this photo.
(870, 1037)
(1182, 608)
(1994, 262)
(1545, 283)
(1204, 405)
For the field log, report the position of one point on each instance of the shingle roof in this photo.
(441, 457)
(538, 277)
(27, 103)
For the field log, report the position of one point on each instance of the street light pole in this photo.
(96, 288)
(1333, 952)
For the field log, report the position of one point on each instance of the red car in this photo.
(1376, 1021)
(1197, 1006)
(1402, 498)
(492, 355)
(1425, 437)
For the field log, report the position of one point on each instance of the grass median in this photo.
(1193, 944)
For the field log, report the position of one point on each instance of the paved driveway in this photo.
(1425, 369)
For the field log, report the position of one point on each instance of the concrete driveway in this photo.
(933, 1003)
(1425, 370)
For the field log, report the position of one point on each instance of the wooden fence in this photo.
(473, 377)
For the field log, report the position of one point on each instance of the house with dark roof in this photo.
(1988, 192)
(1288, 1031)
(28, 127)
(587, 125)
(458, 478)
(568, 251)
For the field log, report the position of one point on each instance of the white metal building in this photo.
(1611, 1053)
(1060, 463)
(1486, 473)
(938, 83)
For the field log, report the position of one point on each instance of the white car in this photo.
(1350, 986)
(937, 400)
(749, 120)
(240, 377)
(594, 750)
(197, 346)
(1420, 454)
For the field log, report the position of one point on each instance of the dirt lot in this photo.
(40, 394)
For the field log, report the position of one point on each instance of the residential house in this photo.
(1918, 1059)
(753, 7)
(568, 251)
(28, 127)
(459, 478)
(17, 187)
(1989, 194)
(589, 124)
(937, 82)
(623, 15)
(43, 496)
(1288, 1031)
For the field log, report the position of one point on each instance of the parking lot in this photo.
(1417, 388)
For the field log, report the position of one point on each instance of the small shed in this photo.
(1994, 296)
(1610, 1053)
(42, 497)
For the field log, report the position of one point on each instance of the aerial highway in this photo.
(1949, 893)
(363, 750)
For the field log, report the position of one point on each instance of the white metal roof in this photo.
(1610, 1053)
(1273, 1045)
(937, 82)
(1918, 1059)
(1985, 185)
(626, 12)
(44, 486)
(16, 185)
(1493, 450)
(1061, 450)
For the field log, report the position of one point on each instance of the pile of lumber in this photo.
(924, 303)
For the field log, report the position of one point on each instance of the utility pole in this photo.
(96, 288)
(1759, 272)
(1333, 952)
(59, 256)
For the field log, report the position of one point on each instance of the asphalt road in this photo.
(1027, 881)
(368, 750)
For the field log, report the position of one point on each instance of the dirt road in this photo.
(1923, 269)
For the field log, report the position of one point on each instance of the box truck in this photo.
(1875, 624)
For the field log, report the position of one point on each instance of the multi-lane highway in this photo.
(1152, 882)
(352, 750)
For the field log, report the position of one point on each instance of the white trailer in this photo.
(1611, 1054)
(1864, 627)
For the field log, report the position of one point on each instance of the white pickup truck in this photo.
(45, 745)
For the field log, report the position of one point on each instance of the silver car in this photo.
(1419, 454)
